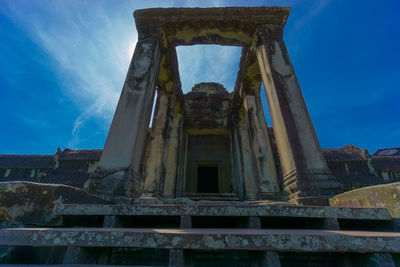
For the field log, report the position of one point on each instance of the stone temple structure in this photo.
(209, 183)
(209, 130)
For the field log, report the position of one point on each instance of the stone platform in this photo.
(183, 234)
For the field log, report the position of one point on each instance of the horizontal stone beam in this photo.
(225, 210)
(225, 26)
(232, 239)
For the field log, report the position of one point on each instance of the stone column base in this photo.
(271, 196)
(113, 183)
(309, 201)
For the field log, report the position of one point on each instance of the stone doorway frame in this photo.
(259, 30)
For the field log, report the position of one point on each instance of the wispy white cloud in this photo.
(303, 15)
(315, 8)
(90, 46)
(204, 3)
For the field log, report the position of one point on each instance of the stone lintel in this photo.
(301, 240)
(225, 26)
(266, 32)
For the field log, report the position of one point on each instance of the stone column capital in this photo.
(150, 31)
(268, 32)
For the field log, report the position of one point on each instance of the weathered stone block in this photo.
(378, 196)
(32, 203)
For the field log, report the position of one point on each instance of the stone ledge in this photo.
(233, 239)
(224, 210)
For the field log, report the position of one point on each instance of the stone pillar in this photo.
(126, 139)
(246, 156)
(264, 160)
(306, 176)
(265, 258)
(154, 166)
(373, 260)
(172, 154)
(176, 258)
(238, 182)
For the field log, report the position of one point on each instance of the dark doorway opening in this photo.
(207, 179)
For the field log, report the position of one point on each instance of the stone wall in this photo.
(207, 106)
(69, 167)
(353, 167)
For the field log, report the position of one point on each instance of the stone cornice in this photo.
(225, 26)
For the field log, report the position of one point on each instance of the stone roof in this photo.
(82, 154)
(209, 87)
(386, 163)
(27, 161)
(394, 151)
(47, 161)
(349, 152)
(72, 178)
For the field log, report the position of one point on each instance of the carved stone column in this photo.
(172, 153)
(246, 156)
(121, 159)
(263, 157)
(154, 166)
(306, 176)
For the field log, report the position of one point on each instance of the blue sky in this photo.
(63, 64)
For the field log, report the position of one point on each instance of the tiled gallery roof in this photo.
(47, 161)
(394, 151)
(386, 163)
(82, 154)
(27, 161)
(348, 152)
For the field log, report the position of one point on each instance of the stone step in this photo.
(224, 210)
(225, 239)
